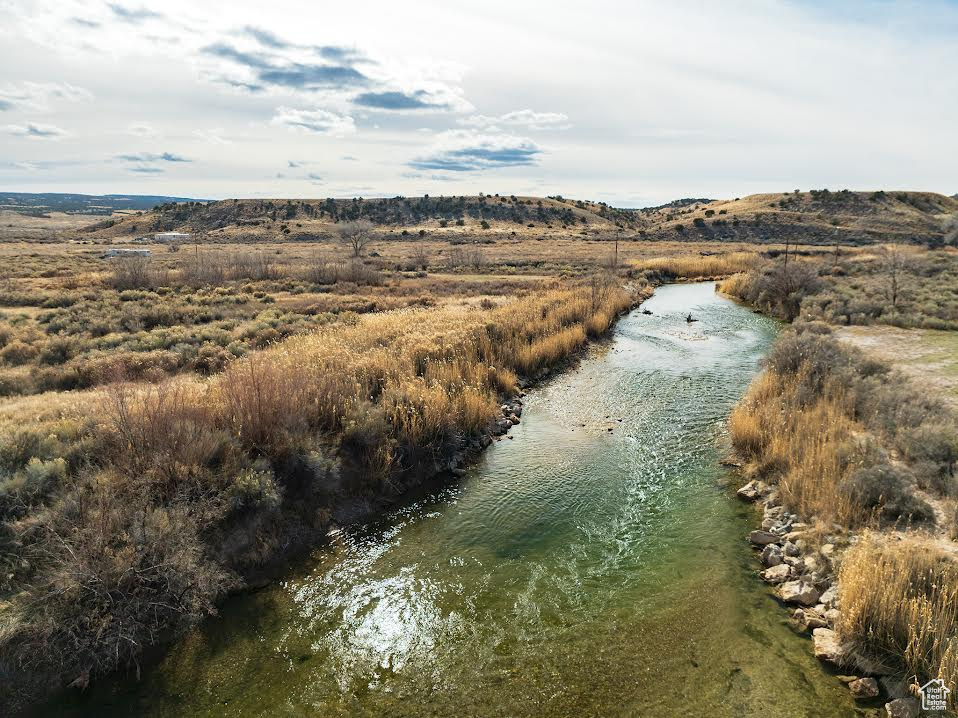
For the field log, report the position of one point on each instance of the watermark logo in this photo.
(934, 695)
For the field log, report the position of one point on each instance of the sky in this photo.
(633, 103)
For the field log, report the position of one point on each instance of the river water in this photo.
(592, 564)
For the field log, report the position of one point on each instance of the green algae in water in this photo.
(592, 565)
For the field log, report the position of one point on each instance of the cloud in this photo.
(341, 54)
(141, 129)
(469, 151)
(255, 60)
(36, 131)
(332, 53)
(133, 15)
(305, 76)
(315, 178)
(152, 157)
(215, 136)
(520, 118)
(147, 170)
(271, 70)
(266, 38)
(40, 96)
(394, 100)
(319, 122)
(83, 22)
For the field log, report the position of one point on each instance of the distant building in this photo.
(171, 237)
(122, 252)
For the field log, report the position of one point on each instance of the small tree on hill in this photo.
(356, 235)
(951, 231)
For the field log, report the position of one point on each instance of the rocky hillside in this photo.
(816, 217)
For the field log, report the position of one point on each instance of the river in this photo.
(592, 564)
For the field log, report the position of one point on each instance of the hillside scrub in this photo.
(148, 318)
(128, 512)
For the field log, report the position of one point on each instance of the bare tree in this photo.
(356, 235)
(894, 265)
(420, 257)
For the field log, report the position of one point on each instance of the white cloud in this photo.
(520, 118)
(39, 96)
(318, 122)
(36, 131)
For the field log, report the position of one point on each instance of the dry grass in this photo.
(697, 267)
(806, 450)
(900, 599)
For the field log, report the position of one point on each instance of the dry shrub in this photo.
(809, 423)
(805, 448)
(119, 571)
(900, 600)
(136, 273)
(777, 289)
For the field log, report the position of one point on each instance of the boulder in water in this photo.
(864, 688)
(799, 592)
(763, 538)
(829, 648)
(902, 708)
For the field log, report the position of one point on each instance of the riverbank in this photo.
(853, 466)
(152, 502)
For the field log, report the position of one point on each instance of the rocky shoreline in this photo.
(801, 561)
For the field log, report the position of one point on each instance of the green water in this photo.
(575, 571)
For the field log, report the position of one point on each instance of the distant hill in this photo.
(258, 218)
(676, 204)
(815, 217)
(38, 204)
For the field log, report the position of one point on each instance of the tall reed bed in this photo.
(696, 267)
(807, 448)
(900, 599)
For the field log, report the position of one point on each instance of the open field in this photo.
(928, 357)
(71, 319)
(18, 227)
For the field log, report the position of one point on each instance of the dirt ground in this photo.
(928, 356)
